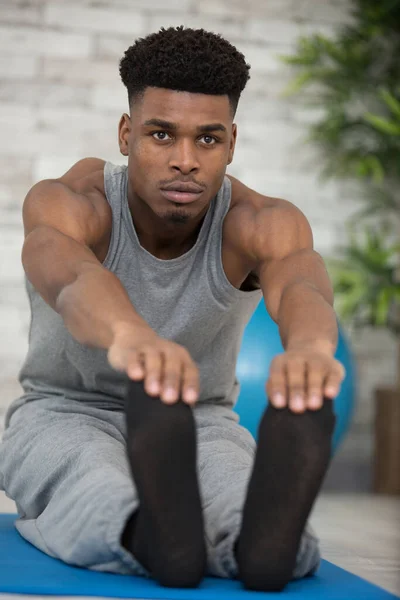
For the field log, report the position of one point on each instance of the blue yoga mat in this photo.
(26, 570)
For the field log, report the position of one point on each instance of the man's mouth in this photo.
(180, 197)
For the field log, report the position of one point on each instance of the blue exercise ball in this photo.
(261, 343)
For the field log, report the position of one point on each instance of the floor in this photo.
(358, 532)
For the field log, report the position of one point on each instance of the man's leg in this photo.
(64, 463)
(167, 533)
(292, 457)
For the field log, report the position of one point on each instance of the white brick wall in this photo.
(22, 40)
(61, 99)
(75, 17)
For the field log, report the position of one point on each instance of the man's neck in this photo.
(162, 239)
(168, 244)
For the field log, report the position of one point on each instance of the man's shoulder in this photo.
(85, 175)
(256, 218)
(85, 179)
(247, 199)
(250, 207)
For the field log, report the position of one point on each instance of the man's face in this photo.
(175, 137)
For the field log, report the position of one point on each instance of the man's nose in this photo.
(184, 156)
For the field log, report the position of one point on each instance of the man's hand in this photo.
(167, 368)
(302, 378)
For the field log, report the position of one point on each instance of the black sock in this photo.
(292, 457)
(166, 534)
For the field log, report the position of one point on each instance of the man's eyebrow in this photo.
(211, 127)
(160, 123)
(173, 127)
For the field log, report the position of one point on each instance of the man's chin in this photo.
(177, 217)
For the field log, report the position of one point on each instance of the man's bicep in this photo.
(56, 247)
(286, 256)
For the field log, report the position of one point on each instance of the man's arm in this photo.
(61, 228)
(297, 291)
(62, 231)
(299, 297)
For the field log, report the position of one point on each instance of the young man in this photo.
(123, 454)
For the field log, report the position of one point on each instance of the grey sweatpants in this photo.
(64, 464)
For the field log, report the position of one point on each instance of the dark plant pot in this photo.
(387, 441)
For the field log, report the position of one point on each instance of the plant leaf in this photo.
(297, 84)
(382, 124)
(390, 101)
(382, 307)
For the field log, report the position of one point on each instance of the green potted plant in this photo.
(354, 77)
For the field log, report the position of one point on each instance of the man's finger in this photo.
(334, 380)
(315, 382)
(296, 378)
(276, 384)
(332, 386)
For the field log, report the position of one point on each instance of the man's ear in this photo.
(124, 129)
(233, 143)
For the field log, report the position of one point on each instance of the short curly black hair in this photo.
(185, 59)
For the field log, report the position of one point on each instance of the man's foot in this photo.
(166, 534)
(292, 457)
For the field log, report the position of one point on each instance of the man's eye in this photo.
(209, 137)
(163, 133)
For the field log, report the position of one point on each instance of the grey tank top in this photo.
(187, 299)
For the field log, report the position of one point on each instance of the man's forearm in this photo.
(95, 306)
(306, 319)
